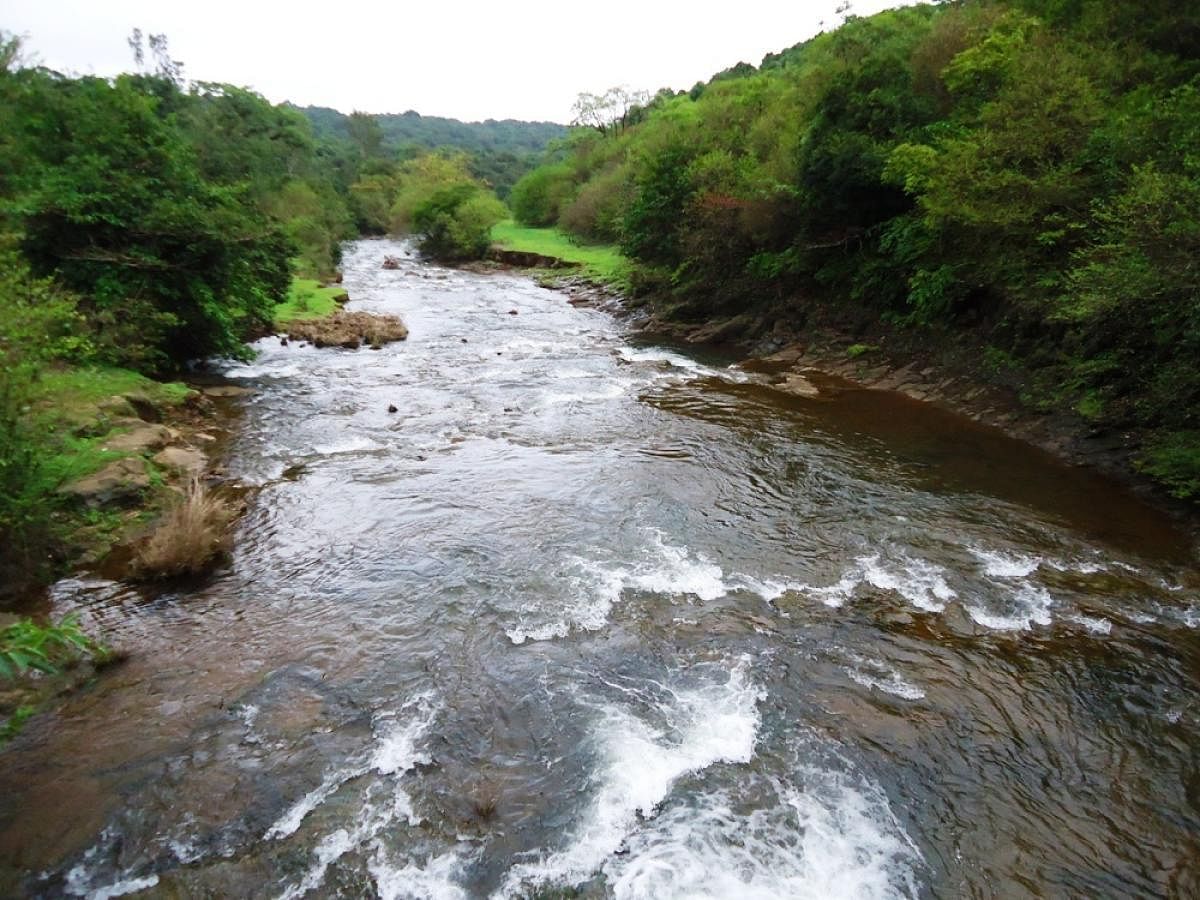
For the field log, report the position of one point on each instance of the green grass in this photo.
(306, 299)
(66, 401)
(601, 261)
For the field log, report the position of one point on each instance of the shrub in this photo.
(189, 538)
(598, 208)
(456, 223)
(538, 196)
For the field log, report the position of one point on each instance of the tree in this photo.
(609, 113)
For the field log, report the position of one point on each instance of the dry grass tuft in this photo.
(348, 329)
(190, 538)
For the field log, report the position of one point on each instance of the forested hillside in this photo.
(1022, 173)
(499, 151)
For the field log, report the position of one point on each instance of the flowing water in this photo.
(593, 617)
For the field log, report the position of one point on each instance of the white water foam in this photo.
(1006, 565)
(835, 838)
(435, 880)
(664, 569)
(638, 765)
(1025, 607)
(395, 752)
(1093, 624)
(348, 445)
(609, 391)
(878, 675)
(918, 581)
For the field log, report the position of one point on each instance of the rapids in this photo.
(589, 616)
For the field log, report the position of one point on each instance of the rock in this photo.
(391, 262)
(120, 482)
(392, 408)
(226, 390)
(140, 440)
(181, 459)
(349, 330)
(464, 340)
(337, 279)
(513, 312)
(795, 383)
(341, 298)
(283, 342)
(145, 408)
(201, 436)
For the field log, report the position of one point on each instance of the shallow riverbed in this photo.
(591, 614)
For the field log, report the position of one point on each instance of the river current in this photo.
(588, 616)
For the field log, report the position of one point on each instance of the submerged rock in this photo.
(226, 390)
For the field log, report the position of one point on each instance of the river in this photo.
(590, 616)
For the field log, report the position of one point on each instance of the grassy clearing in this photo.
(601, 261)
(307, 299)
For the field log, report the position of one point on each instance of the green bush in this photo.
(456, 222)
(539, 196)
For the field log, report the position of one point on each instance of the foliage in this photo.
(1025, 170)
(539, 196)
(1174, 459)
(26, 646)
(455, 223)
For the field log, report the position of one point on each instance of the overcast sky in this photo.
(469, 60)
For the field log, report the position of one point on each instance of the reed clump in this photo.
(191, 538)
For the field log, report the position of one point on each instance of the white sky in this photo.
(469, 60)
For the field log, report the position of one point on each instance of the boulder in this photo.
(141, 439)
(119, 483)
(181, 459)
(391, 262)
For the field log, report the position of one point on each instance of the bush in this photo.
(598, 208)
(456, 223)
(39, 324)
(537, 198)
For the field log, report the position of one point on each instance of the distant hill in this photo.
(490, 137)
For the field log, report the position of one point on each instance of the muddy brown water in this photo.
(593, 617)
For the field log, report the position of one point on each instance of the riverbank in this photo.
(121, 459)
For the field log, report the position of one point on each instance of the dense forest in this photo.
(499, 152)
(1023, 175)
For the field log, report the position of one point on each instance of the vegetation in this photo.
(602, 262)
(190, 537)
(26, 646)
(307, 299)
(1021, 174)
(498, 152)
